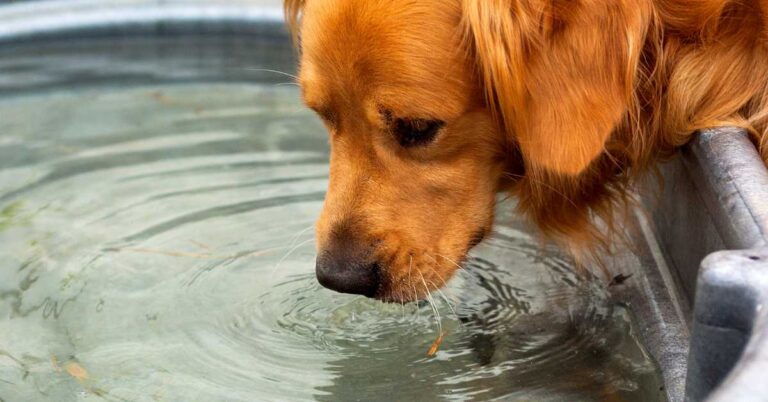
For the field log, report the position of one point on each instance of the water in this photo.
(156, 244)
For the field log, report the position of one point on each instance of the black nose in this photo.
(343, 272)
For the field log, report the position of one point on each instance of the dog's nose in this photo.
(344, 273)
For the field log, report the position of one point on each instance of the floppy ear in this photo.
(558, 74)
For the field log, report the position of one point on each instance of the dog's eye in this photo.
(411, 132)
(416, 132)
(327, 116)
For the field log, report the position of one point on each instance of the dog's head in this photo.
(432, 105)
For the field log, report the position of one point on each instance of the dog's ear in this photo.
(558, 75)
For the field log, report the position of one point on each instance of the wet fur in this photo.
(562, 103)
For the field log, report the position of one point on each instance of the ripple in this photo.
(224, 210)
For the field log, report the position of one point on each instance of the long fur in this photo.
(590, 93)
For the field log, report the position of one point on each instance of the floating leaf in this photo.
(77, 371)
(435, 345)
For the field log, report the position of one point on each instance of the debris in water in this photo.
(435, 345)
(161, 97)
(55, 364)
(11, 215)
(77, 371)
(619, 279)
(201, 245)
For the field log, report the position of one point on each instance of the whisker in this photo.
(432, 304)
(445, 298)
(272, 71)
(410, 281)
(301, 232)
(272, 274)
(451, 261)
(402, 306)
(445, 285)
(436, 344)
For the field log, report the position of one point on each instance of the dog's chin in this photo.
(392, 299)
(409, 284)
(406, 293)
(388, 294)
(399, 298)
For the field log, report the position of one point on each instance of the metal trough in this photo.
(711, 222)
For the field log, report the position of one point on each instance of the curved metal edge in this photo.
(747, 382)
(658, 308)
(733, 182)
(729, 341)
(46, 19)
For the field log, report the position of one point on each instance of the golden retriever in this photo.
(434, 106)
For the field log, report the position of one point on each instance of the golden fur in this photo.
(562, 103)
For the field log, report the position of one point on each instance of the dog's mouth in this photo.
(388, 284)
(400, 278)
(404, 295)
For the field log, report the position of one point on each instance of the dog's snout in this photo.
(348, 273)
(346, 264)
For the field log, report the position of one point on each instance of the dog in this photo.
(434, 106)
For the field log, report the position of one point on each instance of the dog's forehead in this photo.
(388, 47)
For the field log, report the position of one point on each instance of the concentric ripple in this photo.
(156, 244)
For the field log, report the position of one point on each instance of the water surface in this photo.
(156, 244)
